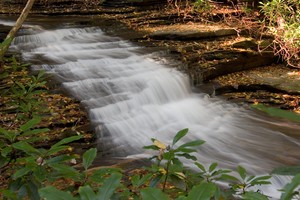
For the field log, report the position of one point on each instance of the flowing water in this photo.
(133, 95)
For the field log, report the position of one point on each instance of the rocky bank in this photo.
(222, 50)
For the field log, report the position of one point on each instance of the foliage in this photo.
(202, 5)
(282, 18)
(36, 171)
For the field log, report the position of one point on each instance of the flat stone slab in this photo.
(289, 81)
(189, 32)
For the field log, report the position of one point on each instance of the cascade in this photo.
(132, 96)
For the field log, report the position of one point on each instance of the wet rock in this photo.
(241, 60)
(288, 82)
(246, 44)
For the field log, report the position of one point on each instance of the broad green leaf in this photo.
(109, 186)
(290, 187)
(87, 193)
(100, 175)
(6, 151)
(51, 193)
(187, 156)
(30, 124)
(56, 149)
(262, 180)
(185, 150)
(59, 159)
(35, 131)
(290, 170)
(27, 148)
(200, 166)
(21, 172)
(168, 155)
(242, 172)
(10, 135)
(156, 180)
(67, 140)
(228, 177)
(276, 112)
(88, 157)
(191, 144)
(212, 167)
(137, 181)
(65, 171)
(9, 194)
(254, 196)
(203, 191)
(32, 190)
(180, 135)
(153, 194)
(153, 147)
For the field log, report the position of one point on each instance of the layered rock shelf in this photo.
(222, 55)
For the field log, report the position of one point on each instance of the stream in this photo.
(133, 94)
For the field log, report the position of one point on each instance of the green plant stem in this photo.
(167, 175)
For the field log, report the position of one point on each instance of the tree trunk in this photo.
(10, 36)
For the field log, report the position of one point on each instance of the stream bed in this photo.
(133, 94)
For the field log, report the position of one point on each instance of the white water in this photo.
(132, 97)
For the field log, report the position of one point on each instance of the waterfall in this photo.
(131, 97)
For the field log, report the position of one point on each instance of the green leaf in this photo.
(228, 177)
(242, 172)
(153, 147)
(212, 167)
(21, 172)
(254, 196)
(59, 159)
(10, 135)
(9, 194)
(168, 155)
(262, 180)
(187, 156)
(191, 144)
(180, 135)
(200, 166)
(185, 150)
(138, 181)
(290, 187)
(35, 131)
(290, 170)
(6, 151)
(27, 148)
(65, 171)
(153, 194)
(67, 140)
(203, 191)
(51, 193)
(54, 150)
(88, 157)
(30, 124)
(109, 186)
(87, 193)
(156, 180)
(32, 189)
(99, 175)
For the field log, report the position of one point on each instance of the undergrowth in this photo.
(53, 172)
